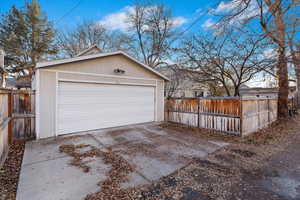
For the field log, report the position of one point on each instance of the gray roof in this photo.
(14, 83)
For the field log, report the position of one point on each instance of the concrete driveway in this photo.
(152, 150)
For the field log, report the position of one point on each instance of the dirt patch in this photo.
(10, 171)
(62, 139)
(214, 166)
(119, 131)
(226, 157)
(197, 132)
(190, 194)
(149, 150)
(245, 153)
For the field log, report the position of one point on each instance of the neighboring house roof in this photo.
(17, 83)
(259, 90)
(183, 76)
(93, 56)
(92, 50)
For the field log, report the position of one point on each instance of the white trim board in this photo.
(56, 103)
(86, 50)
(105, 82)
(37, 104)
(100, 55)
(100, 75)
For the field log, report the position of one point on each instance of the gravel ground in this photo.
(9, 173)
(265, 165)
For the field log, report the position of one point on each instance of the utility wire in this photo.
(69, 12)
(194, 22)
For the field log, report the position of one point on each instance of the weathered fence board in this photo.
(219, 114)
(4, 124)
(229, 115)
(17, 119)
(3, 141)
(257, 114)
(294, 102)
(213, 114)
(23, 114)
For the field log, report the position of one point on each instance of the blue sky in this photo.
(99, 10)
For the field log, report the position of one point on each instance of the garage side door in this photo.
(88, 106)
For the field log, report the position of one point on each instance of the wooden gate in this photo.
(18, 111)
(23, 114)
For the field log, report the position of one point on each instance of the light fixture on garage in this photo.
(119, 71)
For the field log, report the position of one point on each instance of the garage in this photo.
(96, 90)
(89, 106)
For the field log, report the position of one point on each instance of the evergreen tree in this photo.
(26, 36)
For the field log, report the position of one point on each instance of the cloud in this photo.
(226, 7)
(178, 21)
(269, 53)
(118, 20)
(208, 24)
(250, 12)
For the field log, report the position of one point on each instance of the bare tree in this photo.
(294, 47)
(84, 35)
(153, 28)
(226, 60)
(272, 18)
(89, 33)
(174, 73)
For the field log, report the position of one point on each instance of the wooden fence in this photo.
(17, 120)
(226, 114)
(23, 114)
(294, 102)
(4, 124)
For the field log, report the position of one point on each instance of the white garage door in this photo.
(89, 106)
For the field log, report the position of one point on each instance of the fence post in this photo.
(10, 123)
(268, 101)
(258, 114)
(198, 113)
(168, 108)
(241, 116)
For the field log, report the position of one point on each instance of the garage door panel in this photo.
(84, 100)
(85, 106)
(106, 101)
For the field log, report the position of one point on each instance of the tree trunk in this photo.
(283, 84)
(237, 91)
(282, 68)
